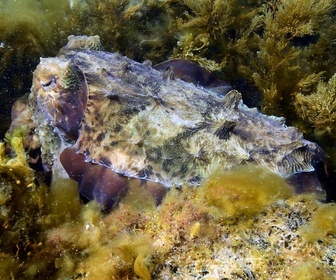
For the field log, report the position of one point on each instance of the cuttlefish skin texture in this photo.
(147, 125)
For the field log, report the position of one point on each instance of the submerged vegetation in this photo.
(49, 234)
(29, 29)
(319, 108)
(282, 50)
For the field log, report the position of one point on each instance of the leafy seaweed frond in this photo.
(276, 47)
(213, 17)
(319, 108)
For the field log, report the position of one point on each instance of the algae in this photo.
(322, 223)
(245, 190)
(27, 210)
(29, 29)
(277, 51)
(311, 270)
(46, 233)
(182, 239)
(22, 204)
(319, 108)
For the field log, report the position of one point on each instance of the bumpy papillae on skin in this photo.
(117, 122)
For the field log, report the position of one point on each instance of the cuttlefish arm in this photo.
(97, 182)
(191, 72)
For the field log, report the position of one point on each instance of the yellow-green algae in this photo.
(311, 270)
(29, 29)
(22, 201)
(252, 229)
(27, 210)
(319, 108)
(322, 223)
(244, 190)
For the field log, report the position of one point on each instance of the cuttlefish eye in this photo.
(49, 84)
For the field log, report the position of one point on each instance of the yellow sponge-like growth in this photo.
(322, 223)
(245, 190)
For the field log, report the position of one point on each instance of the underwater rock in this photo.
(146, 125)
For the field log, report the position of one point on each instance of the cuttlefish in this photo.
(109, 121)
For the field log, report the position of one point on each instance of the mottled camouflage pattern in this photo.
(145, 124)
